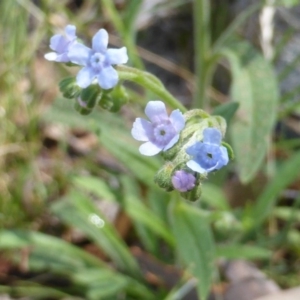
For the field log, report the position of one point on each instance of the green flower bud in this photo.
(69, 88)
(194, 194)
(81, 107)
(91, 95)
(163, 178)
(114, 99)
(87, 100)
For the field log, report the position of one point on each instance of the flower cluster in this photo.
(191, 143)
(96, 62)
(196, 138)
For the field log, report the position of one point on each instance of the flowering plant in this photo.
(190, 143)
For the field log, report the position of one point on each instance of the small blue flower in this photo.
(162, 132)
(62, 44)
(183, 181)
(97, 62)
(208, 155)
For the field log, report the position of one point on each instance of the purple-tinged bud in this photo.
(183, 181)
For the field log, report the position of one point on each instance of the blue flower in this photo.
(208, 155)
(162, 132)
(183, 181)
(62, 44)
(97, 62)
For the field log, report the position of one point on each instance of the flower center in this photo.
(163, 133)
(209, 155)
(97, 61)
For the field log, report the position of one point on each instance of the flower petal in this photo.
(156, 111)
(108, 78)
(63, 57)
(52, 56)
(177, 120)
(224, 159)
(194, 149)
(212, 136)
(173, 141)
(70, 31)
(117, 56)
(85, 77)
(142, 130)
(79, 54)
(149, 149)
(195, 167)
(59, 43)
(100, 41)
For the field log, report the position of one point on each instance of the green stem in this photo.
(151, 83)
(202, 45)
(119, 26)
(234, 26)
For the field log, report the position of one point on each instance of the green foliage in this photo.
(286, 3)
(255, 88)
(77, 210)
(195, 244)
(60, 257)
(190, 236)
(287, 173)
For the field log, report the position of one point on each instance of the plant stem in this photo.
(126, 36)
(151, 83)
(202, 45)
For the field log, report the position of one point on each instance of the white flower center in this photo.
(97, 61)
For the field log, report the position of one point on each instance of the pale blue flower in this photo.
(61, 44)
(209, 154)
(183, 181)
(97, 62)
(162, 132)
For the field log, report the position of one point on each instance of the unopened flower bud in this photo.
(113, 100)
(69, 88)
(194, 194)
(88, 98)
(163, 178)
(183, 181)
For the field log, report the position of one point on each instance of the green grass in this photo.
(37, 183)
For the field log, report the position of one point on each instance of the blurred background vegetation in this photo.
(80, 215)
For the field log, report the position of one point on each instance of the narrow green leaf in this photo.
(100, 283)
(49, 247)
(105, 283)
(95, 185)
(181, 290)
(287, 213)
(235, 26)
(243, 252)
(132, 205)
(214, 196)
(286, 3)
(286, 174)
(226, 110)
(255, 88)
(34, 292)
(129, 17)
(140, 213)
(195, 244)
(78, 210)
